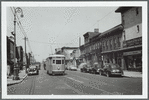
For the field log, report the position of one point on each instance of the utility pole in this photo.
(16, 69)
(79, 41)
(25, 54)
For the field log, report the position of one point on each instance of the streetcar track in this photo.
(81, 77)
(32, 89)
(74, 79)
(97, 80)
(76, 90)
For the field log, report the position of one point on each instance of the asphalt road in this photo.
(76, 83)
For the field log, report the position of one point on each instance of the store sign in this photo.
(132, 52)
(132, 42)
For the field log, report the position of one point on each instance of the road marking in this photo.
(74, 79)
(81, 77)
(67, 85)
(32, 86)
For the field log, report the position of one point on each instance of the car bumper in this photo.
(58, 72)
(74, 69)
(116, 74)
(34, 72)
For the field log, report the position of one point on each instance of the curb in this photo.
(8, 84)
(131, 76)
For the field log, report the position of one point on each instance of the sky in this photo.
(48, 28)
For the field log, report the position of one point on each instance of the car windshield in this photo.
(115, 66)
(32, 66)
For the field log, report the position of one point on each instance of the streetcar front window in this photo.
(53, 61)
(58, 61)
(62, 61)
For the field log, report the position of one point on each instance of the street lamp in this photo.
(16, 70)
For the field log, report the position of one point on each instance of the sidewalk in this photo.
(22, 76)
(132, 74)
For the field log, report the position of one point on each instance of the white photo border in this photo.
(143, 4)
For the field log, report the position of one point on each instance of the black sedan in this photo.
(33, 69)
(110, 69)
(95, 68)
(85, 68)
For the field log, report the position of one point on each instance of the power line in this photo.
(94, 24)
(21, 28)
(49, 43)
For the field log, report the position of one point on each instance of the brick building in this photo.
(121, 44)
(132, 37)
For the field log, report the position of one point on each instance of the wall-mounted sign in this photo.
(132, 52)
(132, 42)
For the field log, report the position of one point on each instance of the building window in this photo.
(102, 46)
(90, 48)
(94, 46)
(137, 11)
(114, 43)
(137, 28)
(124, 35)
(111, 44)
(106, 45)
(118, 41)
(53, 61)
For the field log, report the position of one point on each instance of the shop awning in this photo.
(123, 49)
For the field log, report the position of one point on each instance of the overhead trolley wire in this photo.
(21, 28)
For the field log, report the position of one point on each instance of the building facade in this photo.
(89, 51)
(120, 45)
(111, 42)
(132, 37)
(10, 56)
(67, 51)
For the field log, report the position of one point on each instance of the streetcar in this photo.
(55, 64)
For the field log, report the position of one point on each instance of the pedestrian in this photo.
(44, 66)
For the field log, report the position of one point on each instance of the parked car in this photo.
(86, 68)
(73, 68)
(81, 66)
(95, 68)
(33, 69)
(110, 69)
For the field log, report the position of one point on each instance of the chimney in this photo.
(96, 30)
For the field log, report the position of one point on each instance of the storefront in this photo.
(113, 57)
(133, 60)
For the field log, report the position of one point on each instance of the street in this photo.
(76, 83)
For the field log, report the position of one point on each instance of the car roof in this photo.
(96, 63)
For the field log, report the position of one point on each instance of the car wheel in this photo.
(108, 74)
(47, 72)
